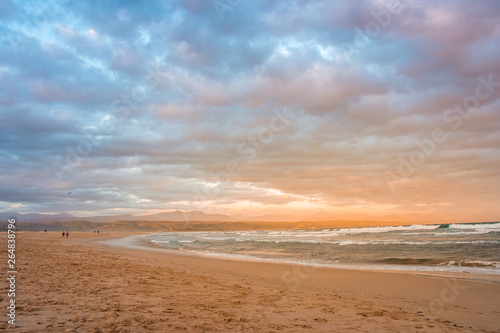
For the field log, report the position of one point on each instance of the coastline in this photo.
(137, 242)
(76, 284)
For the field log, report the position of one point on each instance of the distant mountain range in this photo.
(189, 216)
(176, 216)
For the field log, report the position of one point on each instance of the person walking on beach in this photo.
(63, 233)
(67, 233)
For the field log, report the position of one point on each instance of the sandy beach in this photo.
(77, 285)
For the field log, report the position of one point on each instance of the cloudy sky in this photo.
(367, 109)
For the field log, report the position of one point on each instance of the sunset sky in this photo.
(315, 109)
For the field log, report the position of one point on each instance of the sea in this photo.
(464, 247)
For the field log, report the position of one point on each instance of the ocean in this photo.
(473, 247)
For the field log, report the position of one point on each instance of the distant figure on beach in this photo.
(63, 233)
(45, 230)
(67, 233)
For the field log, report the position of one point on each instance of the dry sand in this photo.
(74, 285)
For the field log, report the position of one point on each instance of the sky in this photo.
(367, 110)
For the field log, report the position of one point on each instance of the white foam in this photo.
(358, 266)
(350, 244)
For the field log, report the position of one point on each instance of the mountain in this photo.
(284, 218)
(37, 217)
(180, 216)
(176, 216)
(269, 218)
(109, 219)
(187, 216)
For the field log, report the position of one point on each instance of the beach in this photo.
(78, 284)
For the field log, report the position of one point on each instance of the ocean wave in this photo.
(361, 230)
(480, 228)
(440, 262)
(154, 241)
(403, 242)
(495, 225)
(416, 229)
(354, 246)
(340, 242)
(398, 264)
(386, 229)
(320, 233)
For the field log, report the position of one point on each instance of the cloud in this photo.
(139, 106)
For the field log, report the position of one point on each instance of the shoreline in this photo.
(75, 284)
(194, 226)
(136, 242)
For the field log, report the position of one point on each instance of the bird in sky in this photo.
(69, 193)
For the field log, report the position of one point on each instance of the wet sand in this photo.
(77, 285)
